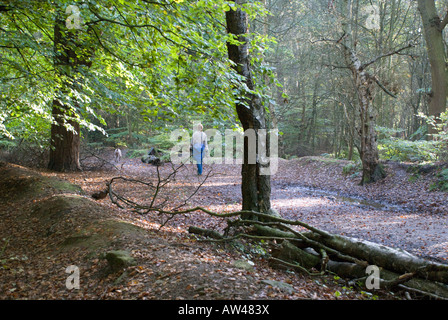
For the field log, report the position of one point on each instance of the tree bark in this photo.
(205, 232)
(64, 151)
(256, 188)
(389, 258)
(286, 251)
(389, 280)
(433, 30)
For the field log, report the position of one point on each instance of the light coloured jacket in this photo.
(200, 146)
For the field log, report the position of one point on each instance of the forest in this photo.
(223, 150)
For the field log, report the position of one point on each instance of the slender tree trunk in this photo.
(364, 84)
(256, 188)
(369, 147)
(433, 29)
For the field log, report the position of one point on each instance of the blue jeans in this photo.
(199, 165)
(198, 153)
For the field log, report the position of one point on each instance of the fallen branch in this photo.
(156, 188)
(205, 232)
(419, 274)
(390, 258)
(296, 266)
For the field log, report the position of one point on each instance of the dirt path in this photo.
(394, 212)
(171, 264)
(49, 225)
(417, 232)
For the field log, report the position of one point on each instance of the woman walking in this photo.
(199, 146)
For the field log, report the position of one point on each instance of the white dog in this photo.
(117, 154)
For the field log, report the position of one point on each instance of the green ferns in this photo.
(393, 148)
(442, 182)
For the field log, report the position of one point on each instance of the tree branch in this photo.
(444, 22)
(111, 52)
(5, 8)
(146, 25)
(383, 87)
(365, 65)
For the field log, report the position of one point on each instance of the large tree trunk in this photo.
(255, 187)
(65, 129)
(64, 152)
(433, 30)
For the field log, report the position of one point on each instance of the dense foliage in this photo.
(317, 106)
(154, 66)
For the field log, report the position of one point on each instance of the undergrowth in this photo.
(442, 182)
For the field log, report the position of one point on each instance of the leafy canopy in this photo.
(161, 60)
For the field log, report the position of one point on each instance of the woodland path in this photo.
(172, 264)
(415, 231)
(397, 211)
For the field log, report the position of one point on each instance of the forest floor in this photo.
(48, 226)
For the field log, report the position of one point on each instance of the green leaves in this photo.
(152, 62)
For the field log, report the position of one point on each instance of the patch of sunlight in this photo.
(297, 202)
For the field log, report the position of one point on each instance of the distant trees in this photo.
(319, 107)
(433, 27)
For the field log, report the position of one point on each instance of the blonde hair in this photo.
(199, 127)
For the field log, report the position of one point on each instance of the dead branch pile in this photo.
(316, 252)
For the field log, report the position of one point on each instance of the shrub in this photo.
(396, 149)
(136, 153)
(405, 150)
(440, 124)
(441, 183)
(351, 168)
